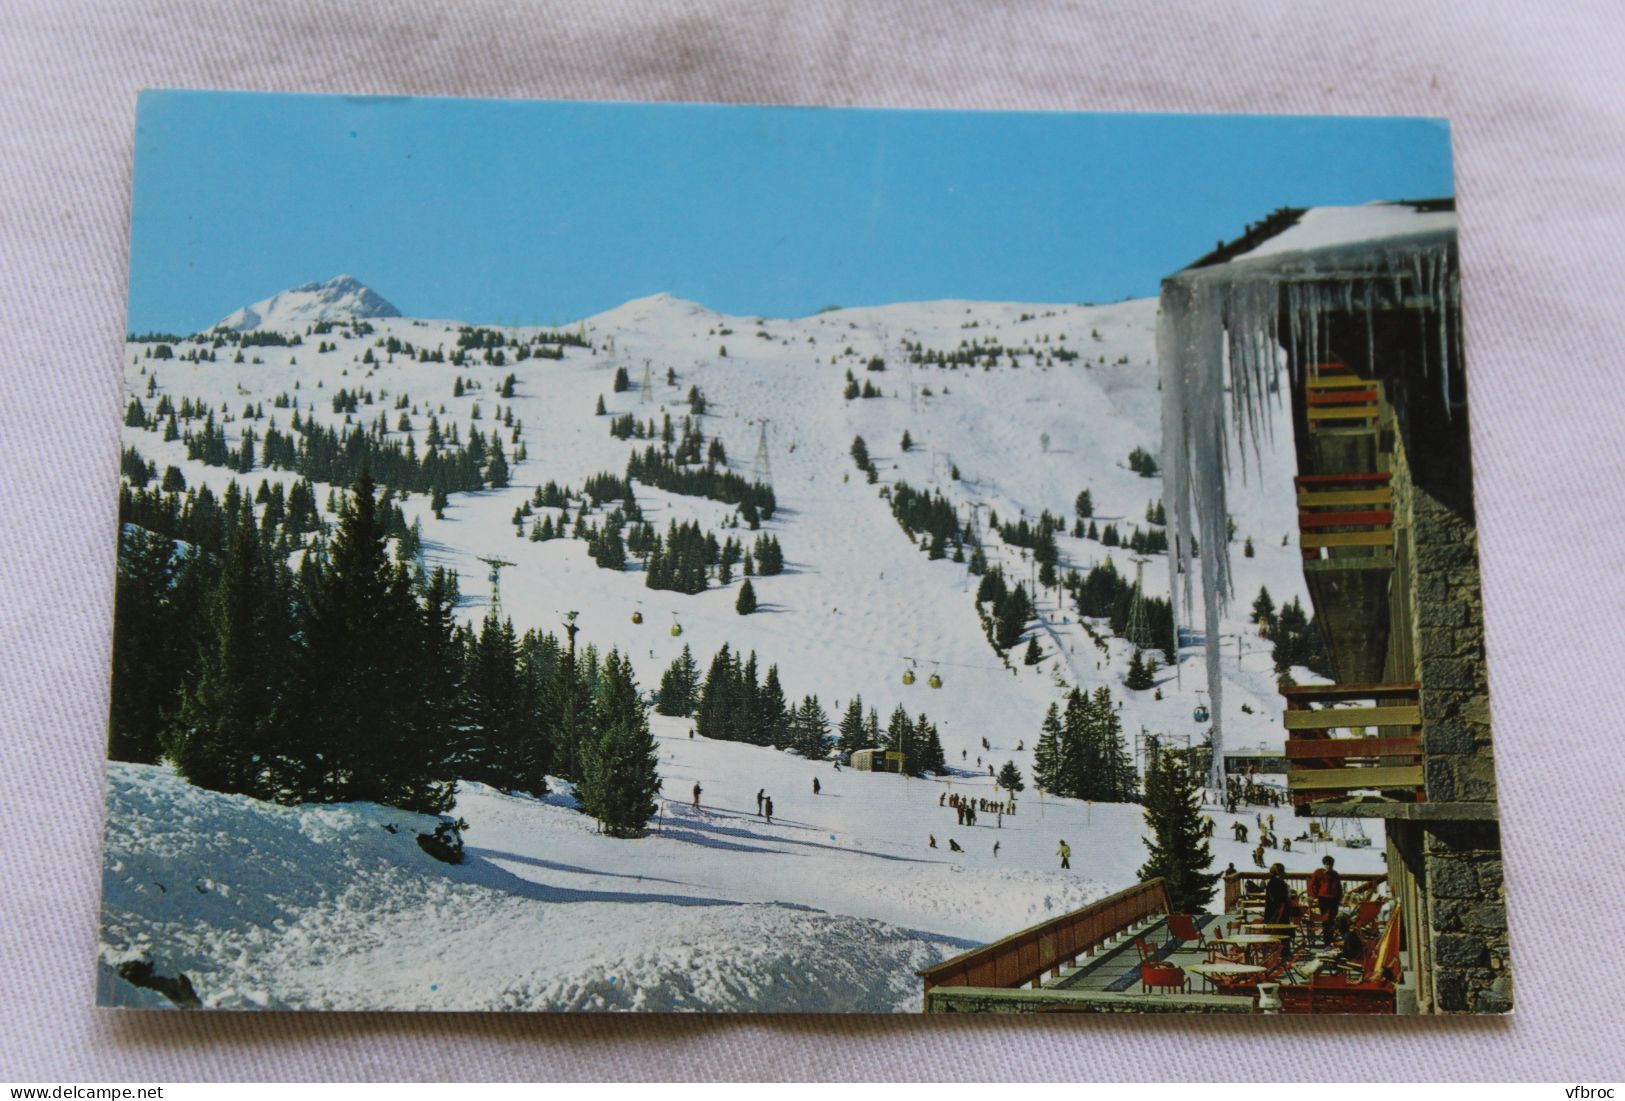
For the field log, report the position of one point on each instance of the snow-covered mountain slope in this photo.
(338, 299)
(336, 907)
(1057, 409)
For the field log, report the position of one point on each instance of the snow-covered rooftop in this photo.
(1327, 227)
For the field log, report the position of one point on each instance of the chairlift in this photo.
(676, 628)
(637, 615)
(1200, 714)
(908, 674)
(935, 681)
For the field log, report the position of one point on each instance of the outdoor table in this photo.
(1208, 970)
(1250, 942)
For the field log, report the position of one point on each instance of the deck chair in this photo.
(1183, 927)
(1365, 917)
(1146, 950)
(1163, 976)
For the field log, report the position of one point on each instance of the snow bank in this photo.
(327, 907)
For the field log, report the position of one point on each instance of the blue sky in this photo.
(542, 213)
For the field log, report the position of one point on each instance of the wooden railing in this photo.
(1345, 510)
(1336, 398)
(1242, 883)
(1027, 956)
(1320, 766)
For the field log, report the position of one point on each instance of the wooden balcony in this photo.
(1336, 400)
(1341, 511)
(1381, 749)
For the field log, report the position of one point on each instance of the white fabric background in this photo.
(1534, 92)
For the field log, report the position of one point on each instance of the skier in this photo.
(815, 785)
(995, 850)
(933, 838)
(1065, 853)
(1240, 830)
(691, 733)
(768, 804)
(954, 845)
(761, 793)
(696, 795)
(985, 745)
(942, 800)
(962, 753)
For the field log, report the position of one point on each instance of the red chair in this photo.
(1365, 917)
(1183, 927)
(1163, 976)
(1146, 951)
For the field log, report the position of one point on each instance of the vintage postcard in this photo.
(688, 558)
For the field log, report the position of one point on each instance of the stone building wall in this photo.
(1460, 861)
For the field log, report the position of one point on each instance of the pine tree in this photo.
(1010, 777)
(746, 604)
(1034, 653)
(360, 701)
(746, 716)
(900, 735)
(232, 718)
(1263, 607)
(620, 777)
(496, 474)
(1048, 754)
(810, 730)
(679, 685)
(908, 441)
(150, 658)
(1012, 615)
(773, 713)
(498, 733)
(853, 735)
(718, 697)
(1117, 782)
(1140, 673)
(1179, 854)
(440, 725)
(925, 748)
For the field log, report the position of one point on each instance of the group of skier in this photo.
(764, 802)
(1242, 791)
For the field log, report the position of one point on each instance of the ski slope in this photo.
(837, 902)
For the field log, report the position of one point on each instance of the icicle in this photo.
(1224, 322)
